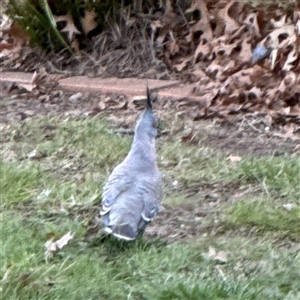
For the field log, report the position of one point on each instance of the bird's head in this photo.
(147, 123)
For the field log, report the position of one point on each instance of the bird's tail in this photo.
(123, 232)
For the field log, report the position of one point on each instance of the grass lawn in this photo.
(52, 173)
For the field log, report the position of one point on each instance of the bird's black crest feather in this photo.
(149, 102)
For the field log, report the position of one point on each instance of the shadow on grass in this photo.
(113, 246)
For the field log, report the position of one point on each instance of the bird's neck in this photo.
(144, 146)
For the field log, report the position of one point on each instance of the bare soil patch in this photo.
(240, 134)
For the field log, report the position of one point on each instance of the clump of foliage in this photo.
(42, 19)
(38, 18)
(38, 21)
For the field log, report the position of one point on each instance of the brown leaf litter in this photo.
(209, 46)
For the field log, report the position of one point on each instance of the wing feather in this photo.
(118, 182)
(152, 192)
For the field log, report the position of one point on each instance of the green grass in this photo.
(58, 189)
(142, 269)
(17, 183)
(192, 165)
(266, 216)
(274, 174)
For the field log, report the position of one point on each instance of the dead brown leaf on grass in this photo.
(13, 37)
(53, 247)
(289, 132)
(217, 256)
(234, 158)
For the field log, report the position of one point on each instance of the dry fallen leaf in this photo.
(12, 42)
(234, 158)
(288, 206)
(220, 257)
(211, 252)
(289, 132)
(274, 38)
(7, 272)
(292, 56)
(28, 87)
(53, 247)
(251, 21)
(202, 24)
(230, 24)
(70, 27)
(38, 75)
(101, 105)
(297, 148)
(273, 57)
(88, 22)
(188, 136)
(181, 66)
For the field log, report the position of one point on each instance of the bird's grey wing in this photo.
(152, 193)
(118, 182)
(152, 196)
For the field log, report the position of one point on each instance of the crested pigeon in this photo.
(134, 190)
